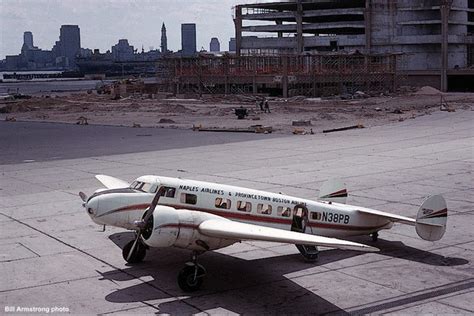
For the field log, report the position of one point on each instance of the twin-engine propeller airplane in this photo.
(203, 216)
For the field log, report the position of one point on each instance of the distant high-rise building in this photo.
(69, 44)
(188, 39)
(123, 51)
(164, 39)
(214, 46)
(232, 44)
(28, 40)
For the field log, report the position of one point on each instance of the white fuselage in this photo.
(235, 203)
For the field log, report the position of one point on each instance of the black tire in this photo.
(187, 280)
(310, 253)
(138, 254)
(375, 236)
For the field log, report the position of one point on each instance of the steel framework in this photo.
(287, 75)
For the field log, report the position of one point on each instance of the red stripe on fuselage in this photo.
(251, 218)
(132, 207)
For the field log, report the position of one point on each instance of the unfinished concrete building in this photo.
(435, 36)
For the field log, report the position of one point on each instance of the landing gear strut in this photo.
(190, 278)
(138, 254)
(310, 253)
(375, 236)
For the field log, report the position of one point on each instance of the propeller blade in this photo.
(153, 204)
(141, 225)
(83, 196)
(133, 247)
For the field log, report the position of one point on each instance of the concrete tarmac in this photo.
(52, 255)
(38, 141)
(38, 87)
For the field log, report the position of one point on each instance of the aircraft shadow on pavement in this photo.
(397, 249)
(242, 286)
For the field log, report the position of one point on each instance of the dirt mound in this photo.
(427, 90)
(174, 108)
(15, 108)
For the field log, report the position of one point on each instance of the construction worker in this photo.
(267, 107)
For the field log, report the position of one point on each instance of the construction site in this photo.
(312, 75)
(435, 36)
(316, 65)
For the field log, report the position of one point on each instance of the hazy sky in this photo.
(104, 22)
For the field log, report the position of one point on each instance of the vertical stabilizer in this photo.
(432, 217)
(333, 190)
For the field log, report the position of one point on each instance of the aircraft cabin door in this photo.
(299, 222)
(300, 218)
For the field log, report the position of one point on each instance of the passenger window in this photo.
(244, 206)
(264, 209)
(222, 203)
(188, 198)
(316, 216)
(284, 211)
(168, 192)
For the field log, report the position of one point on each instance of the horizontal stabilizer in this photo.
(391, 217)
(228, 229)
(111, 182)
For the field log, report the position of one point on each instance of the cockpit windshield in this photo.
(144, 186)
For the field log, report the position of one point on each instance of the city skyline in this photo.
(104, 23)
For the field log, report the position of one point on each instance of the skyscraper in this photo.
(69, 43)
(214, 46)
(232, 44)
(188, 39)
(28, 40)
(164, 39)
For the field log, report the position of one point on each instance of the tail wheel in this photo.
(375, 236)
(190, 278)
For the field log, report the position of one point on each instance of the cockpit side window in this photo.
(144, 186)
(135, 185)
(148, 187)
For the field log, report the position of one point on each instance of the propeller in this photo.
(83, 196)
(142, 224)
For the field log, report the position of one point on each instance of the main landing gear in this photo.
(310, 253)
(190, 278)
(138, 254)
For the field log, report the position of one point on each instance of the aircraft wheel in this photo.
(375, 236)
(310, 253)
(190, 278)
(138, 254)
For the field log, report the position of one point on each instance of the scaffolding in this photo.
(285, 75)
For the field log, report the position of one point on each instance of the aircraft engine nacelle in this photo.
(171, 227)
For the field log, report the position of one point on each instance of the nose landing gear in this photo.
(190, 278)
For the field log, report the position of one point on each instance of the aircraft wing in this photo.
(240, 231)
(389, 216)
(111, 182)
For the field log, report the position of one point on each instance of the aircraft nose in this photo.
(92, 207)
